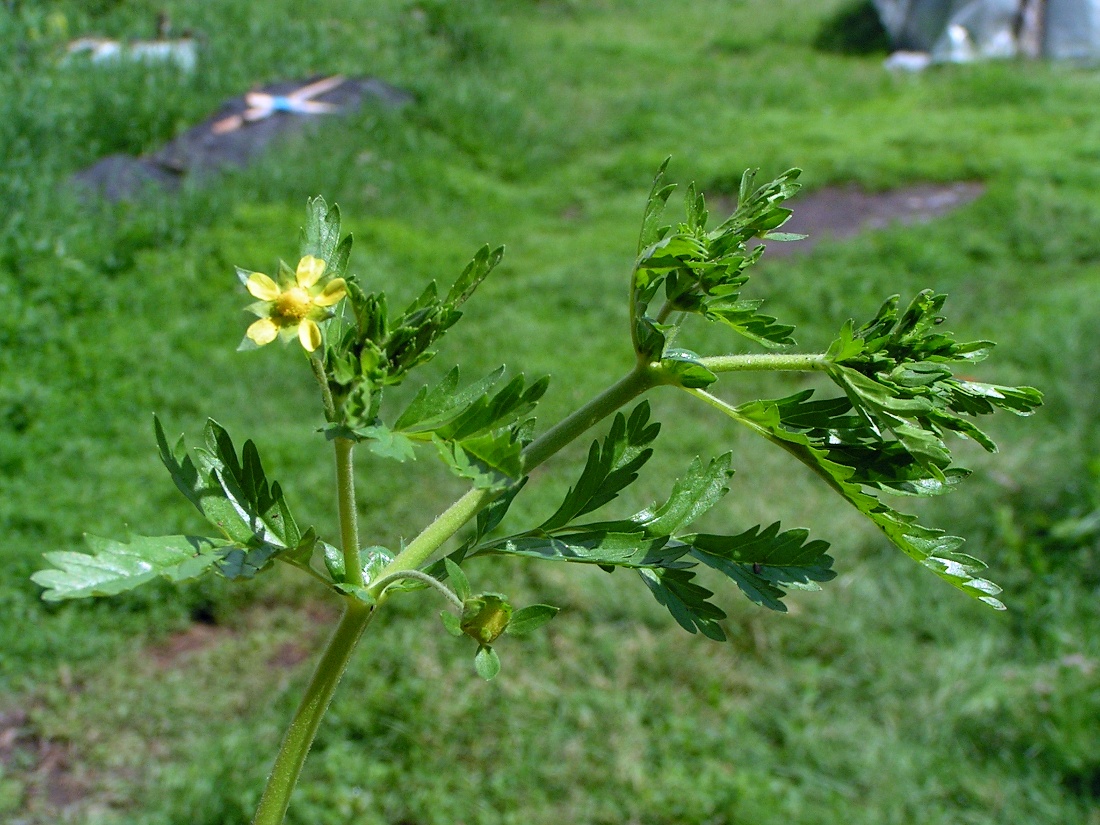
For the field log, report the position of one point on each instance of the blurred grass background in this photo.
(887, 698)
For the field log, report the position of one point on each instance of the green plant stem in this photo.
(322, 381)
(421, 577)
(345, 497)
(299, 736)
(796, 362)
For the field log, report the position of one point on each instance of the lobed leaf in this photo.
(931, 548)
(114, 567)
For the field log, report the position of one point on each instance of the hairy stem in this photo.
(424, 578)
(299, 736)
(322, 381)
(345, 497)
(796, 362)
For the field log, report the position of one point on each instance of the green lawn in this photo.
(886, 698)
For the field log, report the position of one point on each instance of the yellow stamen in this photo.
(291, 306)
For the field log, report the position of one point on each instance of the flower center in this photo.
(292, 305)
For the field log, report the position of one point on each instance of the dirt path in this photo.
(844, 211)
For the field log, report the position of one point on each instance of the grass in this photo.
(886, 698)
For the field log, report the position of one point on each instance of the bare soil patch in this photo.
(839, 212)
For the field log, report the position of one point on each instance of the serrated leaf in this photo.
(693, 494)
(491, 462)
(610, 468)
(233, 494)
(654, 207)
(686, 601)
(742, 317)
(384, 442)
(432, 408)
(320, 237)
(114, 567)
(595, 546)
(764, 562)
(897, 371)
(931, 548)
(246, 562)
(486, 662)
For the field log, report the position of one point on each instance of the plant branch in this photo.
(345, 497)
(796, 362)
(419, 576)
(302, 730)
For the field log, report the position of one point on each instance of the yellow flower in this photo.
(293, 307)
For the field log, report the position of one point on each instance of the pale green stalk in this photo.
(797, 362)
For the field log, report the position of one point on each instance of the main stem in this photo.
(299, 736)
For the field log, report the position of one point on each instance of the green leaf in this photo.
(931, 548)
(654, 208)
(742, 317)
(320, 237)
(246, 562)
(475, 272)
(692, 495)
(687, 368)
(451, 623)
(115, 567)
(765, 563)
(491, 462)
(897, 371)
(386, 443)
(488, 414)
(529, 619)
(486, 662)
(594, 546)
(433, 408)
(334, 562)
(234, 494)
(458, 579)
(686, 601)
(610, 468)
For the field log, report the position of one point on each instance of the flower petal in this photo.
(262, 287)
(309, 334)
(262, 332)
(310, 270)
(332, 294)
